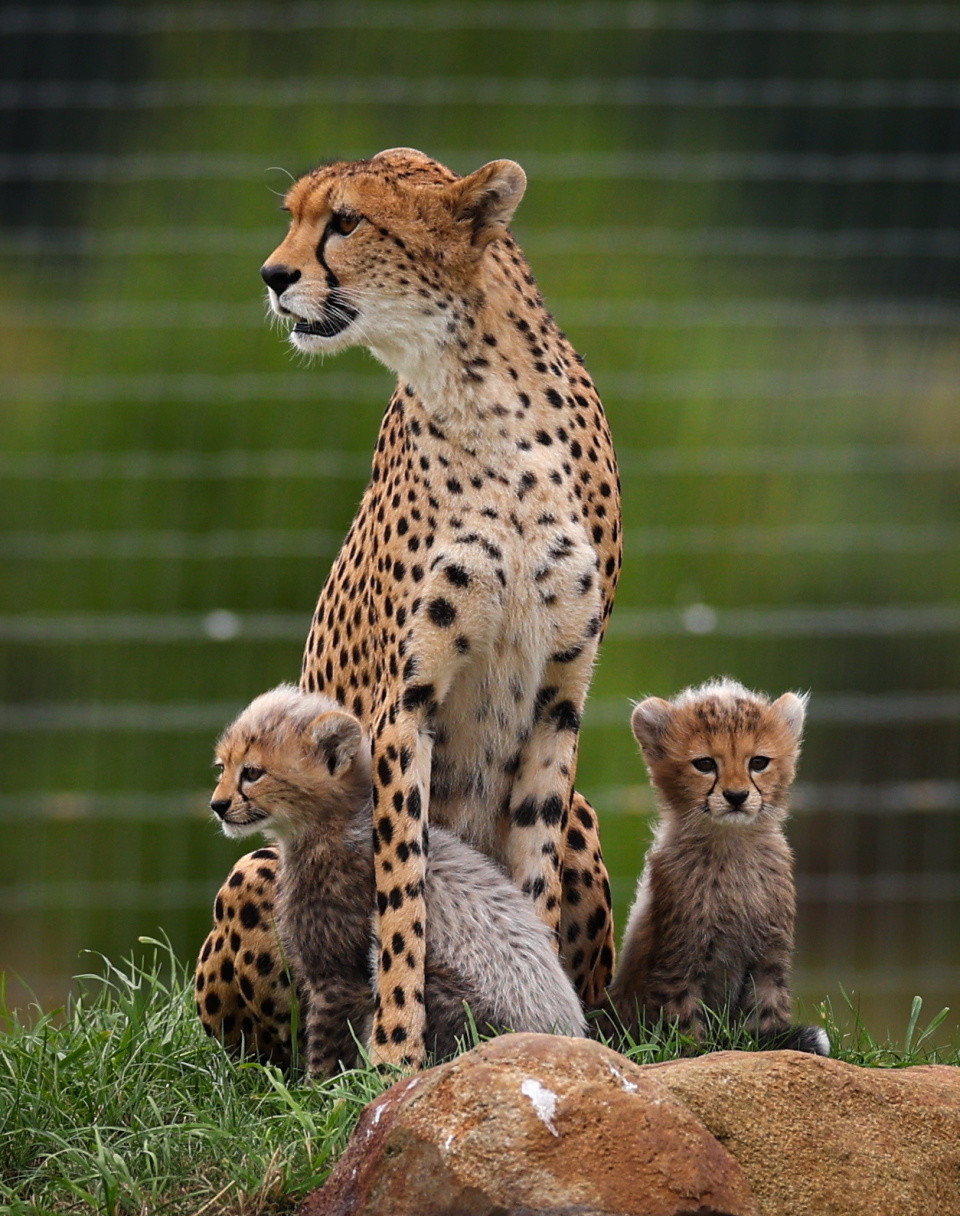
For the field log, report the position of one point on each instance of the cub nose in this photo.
(279, 277)
(736, 797)
(220, 806)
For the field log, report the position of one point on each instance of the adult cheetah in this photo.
(461, 619)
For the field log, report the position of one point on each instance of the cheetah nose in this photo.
(736, 797)
(220, 806)
(279, 277)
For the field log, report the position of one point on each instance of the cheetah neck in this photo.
(697, 831)
(479, 369)
(338, 852)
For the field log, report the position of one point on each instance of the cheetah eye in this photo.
(344, 222)
(218, 768)
(759, 763)
(249, 775)
(704, 764)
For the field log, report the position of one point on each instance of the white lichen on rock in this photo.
(544, 1102)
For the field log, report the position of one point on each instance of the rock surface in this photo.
(533, 1124)
(538, 1125)
(817, 1136)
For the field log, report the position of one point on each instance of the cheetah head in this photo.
(380, 252)
(721, 755)
(291, 761)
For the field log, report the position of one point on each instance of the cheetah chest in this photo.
(512, 613)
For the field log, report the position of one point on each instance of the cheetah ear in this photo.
(488, 198)
(649, 721)
(792, 708)
(336, 737)
(409, 153)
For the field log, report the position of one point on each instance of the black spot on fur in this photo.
(551, 811)
(525, 815)
(597, 921)
(457, 576)
(565, 716)
(576, 841)
(441, 612)
(417, 695)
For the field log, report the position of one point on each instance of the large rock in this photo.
(818, 1137)
(533, 1124)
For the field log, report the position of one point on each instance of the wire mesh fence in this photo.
(743, 214)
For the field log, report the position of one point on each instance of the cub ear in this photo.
(488, 198)
(336, 737)
(649, 721)
(792, 708)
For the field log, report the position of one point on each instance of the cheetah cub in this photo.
(711, 926)
(296, 767)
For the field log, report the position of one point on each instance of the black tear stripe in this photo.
(337, 313)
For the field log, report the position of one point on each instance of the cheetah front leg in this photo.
(540, 800)
(439, 643)
(401, 785)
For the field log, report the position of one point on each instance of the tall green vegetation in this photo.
(769, 317)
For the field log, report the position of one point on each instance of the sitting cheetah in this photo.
(296, 767)
(712, 923)
(461, 619)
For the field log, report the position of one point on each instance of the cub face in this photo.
(726, 756)
(284, 767)
(376, 249)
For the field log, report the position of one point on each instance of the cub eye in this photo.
(705, 764)
(218, 768)
(343, 222)
(759, 763)
(249, 775)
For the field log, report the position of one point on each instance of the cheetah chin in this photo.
(251, 823)
(337, 315)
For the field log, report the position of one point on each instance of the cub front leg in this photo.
(765, 1002)
(767, 997)
(683, 1008)
(336, 1019)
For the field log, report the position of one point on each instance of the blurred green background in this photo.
(744, 215)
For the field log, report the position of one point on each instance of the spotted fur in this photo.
(242, 981)
(712, 923)
(461, 620)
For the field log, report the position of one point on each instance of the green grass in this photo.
(118, 1103)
